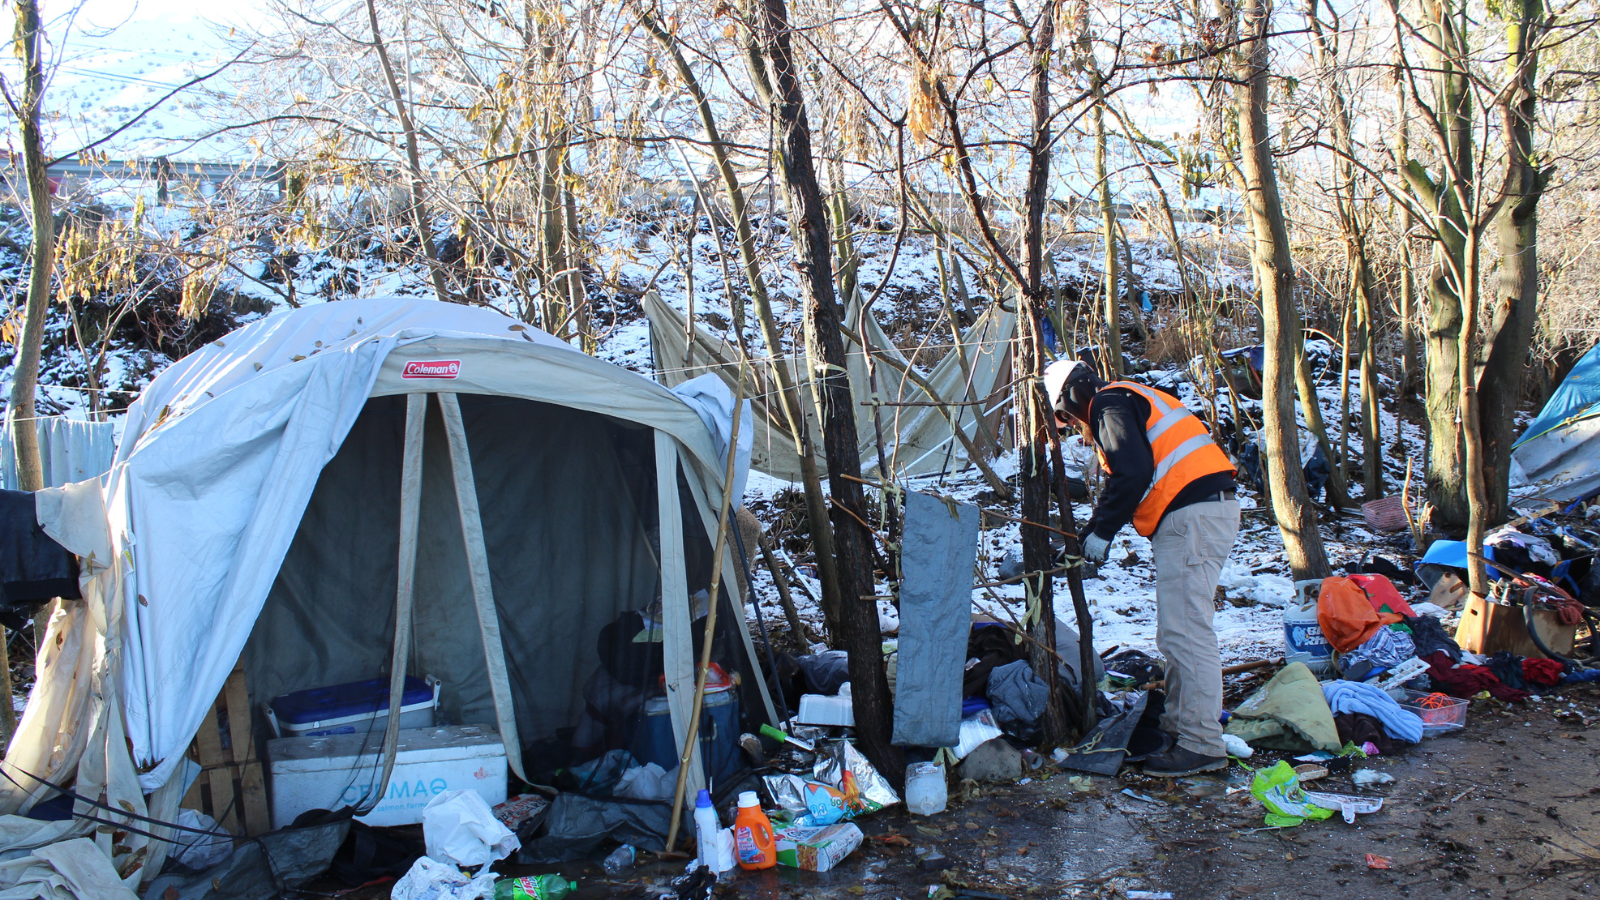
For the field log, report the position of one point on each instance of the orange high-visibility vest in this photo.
(1183, 449)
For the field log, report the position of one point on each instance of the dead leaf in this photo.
(893, 839)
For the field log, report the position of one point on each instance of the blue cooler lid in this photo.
(341, 700)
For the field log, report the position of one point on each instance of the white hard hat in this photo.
(1062, 372)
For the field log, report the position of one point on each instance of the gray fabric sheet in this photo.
(1019, 698)
(937, 553)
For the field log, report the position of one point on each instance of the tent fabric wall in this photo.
(220, 459)
(1558, 456)
(918, 439)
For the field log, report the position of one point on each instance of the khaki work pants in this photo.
(1190, 547)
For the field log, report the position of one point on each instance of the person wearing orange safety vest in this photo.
(1166, 476)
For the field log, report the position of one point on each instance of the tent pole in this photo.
(494, 649)
(410, 513)
(721, 545)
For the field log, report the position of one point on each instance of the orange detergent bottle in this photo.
(752, 834)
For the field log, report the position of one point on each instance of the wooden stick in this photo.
(711, 618)
(790, 612)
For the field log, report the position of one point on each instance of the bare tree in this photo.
(1297, 518)
(776, 70)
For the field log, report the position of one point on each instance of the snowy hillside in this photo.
(112, 60)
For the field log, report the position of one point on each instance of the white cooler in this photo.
(339, 770)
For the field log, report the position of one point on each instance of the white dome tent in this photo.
(267, 492)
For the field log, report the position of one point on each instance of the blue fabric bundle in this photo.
(1358, 697)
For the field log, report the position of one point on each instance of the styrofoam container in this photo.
(821, 709)
(335, 771)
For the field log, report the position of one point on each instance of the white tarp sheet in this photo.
(917, 438)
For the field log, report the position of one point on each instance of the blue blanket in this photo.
(1358, 697)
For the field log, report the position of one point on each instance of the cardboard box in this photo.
(817, 849)
(1489, 628)
(339, 770)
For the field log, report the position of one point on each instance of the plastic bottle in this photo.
(620, 860)
(926, 793)
(752, 835)
(706, 825)
(541, 887)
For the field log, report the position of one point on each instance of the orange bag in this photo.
(1384, 596)
(1346, 615)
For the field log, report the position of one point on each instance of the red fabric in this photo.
(1543, 672)
(1346, 615)
(1383, 595)
(1467, 680)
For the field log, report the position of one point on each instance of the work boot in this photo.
(1177, 762)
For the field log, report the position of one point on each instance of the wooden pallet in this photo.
(231, 788)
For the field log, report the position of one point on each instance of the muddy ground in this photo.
(1509, 807)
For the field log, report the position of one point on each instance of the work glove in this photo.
(1095, 549)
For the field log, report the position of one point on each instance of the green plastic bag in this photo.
(1278, 788)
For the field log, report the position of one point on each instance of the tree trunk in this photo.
(852, 542)
(419, 210)
(1108, 227)
(1354, 224)
(1408, 284)
(21, 412)
(788, 394)
(1338, 493)
(1034, 421)
(1297, 517)
(1450, 199)
(1516, 303)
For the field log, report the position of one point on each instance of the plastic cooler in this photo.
(348, 708)
(339, 770)
(653, 739)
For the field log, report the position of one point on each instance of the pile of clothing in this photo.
(1375, 630)
(1293, 712)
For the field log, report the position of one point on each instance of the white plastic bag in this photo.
(430, 879)
(458, 827)
(200, 851)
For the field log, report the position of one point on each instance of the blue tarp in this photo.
(1578, 397)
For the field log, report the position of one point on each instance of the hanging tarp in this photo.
(972, 378)
(1558, 457)
(70, 450)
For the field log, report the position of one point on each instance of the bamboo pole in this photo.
(693, 733)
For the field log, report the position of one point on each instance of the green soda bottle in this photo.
(542, 887)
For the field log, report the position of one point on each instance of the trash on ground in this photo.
(619, 860)
(817, 849)
(926, 791)
(752, 835)
(521, 808)
(1374, 861)
(1369, 777)
(1278, 788)
(430, 879)
(1237, 747)
(1138, 796)
(1347, 806)
(460, 829)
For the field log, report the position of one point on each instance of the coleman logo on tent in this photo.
(432, 368)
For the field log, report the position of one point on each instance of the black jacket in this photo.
(1116, 419)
